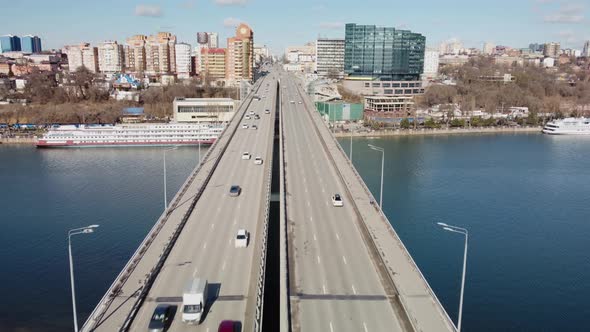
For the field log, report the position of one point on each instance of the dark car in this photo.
(229, 326)
(162, 318)
(235, 190)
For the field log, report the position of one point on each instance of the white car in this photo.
(246, 156)
(292, 101)
(300, 102)
(267, 111)
(245, 126)
(257, 161)
(247, 117)
(252, 113)
(254, 127)
(242, 238)
(337, 200)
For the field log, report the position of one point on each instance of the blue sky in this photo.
(282, 23)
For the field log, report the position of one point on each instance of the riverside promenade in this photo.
(450, 131)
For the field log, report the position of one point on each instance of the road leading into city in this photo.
(206, 249)
(335, 286)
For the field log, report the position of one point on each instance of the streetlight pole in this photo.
(376, 148)
(76, 231)
(350, 154)
(463, 231)
(165, 194)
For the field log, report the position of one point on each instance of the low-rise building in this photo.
(204, 110)
(340, 111)
(367, 86)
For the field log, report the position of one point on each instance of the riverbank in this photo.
(450, 131)
(31, 140)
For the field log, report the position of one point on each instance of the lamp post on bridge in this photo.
(376, 148)
(72, 232)
(165, 194)
(460, 230)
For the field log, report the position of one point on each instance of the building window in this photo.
(399, 91)
(388, 91)
(387, 85)
(376, 85)
(367, 85)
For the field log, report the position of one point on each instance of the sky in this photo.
(279, 24)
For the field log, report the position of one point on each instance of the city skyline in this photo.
(534, 20)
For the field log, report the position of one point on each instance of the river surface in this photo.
(524, 198)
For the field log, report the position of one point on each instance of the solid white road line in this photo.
(223, 266)
(315, 238)
(337, 236)
(331, 327)
(205, 245)
(324, 288)
(344, 259)
(319, 262)
(365, 326)
(353, 290)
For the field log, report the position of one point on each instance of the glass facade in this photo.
(31, 44)
(383, 53)
(10, 43)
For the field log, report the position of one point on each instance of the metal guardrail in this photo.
(262, 267)
(384, 219)
(128, 269)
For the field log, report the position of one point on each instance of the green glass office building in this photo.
(386, 54)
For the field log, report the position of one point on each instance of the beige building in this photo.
(213, 64)
(134, 54)
(551, 50)
(160, 54)
(82, 55)
(239, 63)
(205, 110)
(111, 57)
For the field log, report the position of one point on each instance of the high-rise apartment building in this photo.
(551, 50)
(383, 53)
(31, 44)
(586, 49)
(135, 54)
(82, 55)
(330, 57)
(111, 57)
(240, 55)
(183, 66)
(431, 63)
(160, 54)
(213, 64)
(488, 48)
(205, 40)
(10, 43)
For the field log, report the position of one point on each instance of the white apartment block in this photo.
(183, 60)
(82, 55)
(110, 57)
(431, 63)
(330, 57)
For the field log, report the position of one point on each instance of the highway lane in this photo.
(206, 248)
(337, 288)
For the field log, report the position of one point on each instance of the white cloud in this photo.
(189, 4)
(231, 22)
(231, 2)
(332, 25)
(148, 10)
(567, 13)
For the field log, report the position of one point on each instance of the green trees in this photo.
(405, 123)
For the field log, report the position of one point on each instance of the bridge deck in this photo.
(351, 271)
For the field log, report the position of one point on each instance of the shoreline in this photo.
(435, 132)
(18, 140)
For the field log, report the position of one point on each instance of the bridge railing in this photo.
(317, 118)
(128, 269)
(263, 250)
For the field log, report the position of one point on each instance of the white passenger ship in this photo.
(568, 126)
(145, 134)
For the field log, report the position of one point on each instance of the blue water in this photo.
(525, 200)
(46, 192)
